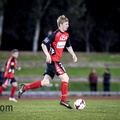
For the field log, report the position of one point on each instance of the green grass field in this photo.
(32, 64)
(51, 110)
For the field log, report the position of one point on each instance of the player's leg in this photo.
(39, 83)
(64, 90)
(60, 71)
(13, 90)
(34, 85)
(64, 86)
(4, 85)
(48, 75)
(2, 88)
(24, 87)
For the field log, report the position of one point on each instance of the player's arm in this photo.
(46, 45)
(70, 50)
(18, 68)
(14, 66)
(45, 50)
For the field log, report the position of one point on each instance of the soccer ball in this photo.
(79, 104)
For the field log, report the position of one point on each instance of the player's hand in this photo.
(48, 58)
(74, 58)
(19, 68)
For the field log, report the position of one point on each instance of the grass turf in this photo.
(51, 110)
(72, 71)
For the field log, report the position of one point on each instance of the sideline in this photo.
(58, 98)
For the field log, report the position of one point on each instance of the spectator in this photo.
(93, 78)
(106, 80)
(2, 76)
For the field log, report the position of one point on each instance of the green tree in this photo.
(2, 2)
(39, 10)
(81, 21)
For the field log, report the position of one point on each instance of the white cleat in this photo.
(12, 99)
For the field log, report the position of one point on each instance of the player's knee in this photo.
(15, 84)
(66, 79)
(45, 82)
(5, 86)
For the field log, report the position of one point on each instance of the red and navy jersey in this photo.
(10, 67)
(56, 42)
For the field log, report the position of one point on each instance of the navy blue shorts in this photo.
(53, 68)
(9, 80)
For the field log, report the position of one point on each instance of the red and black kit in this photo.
(56, 43)
(10, 68)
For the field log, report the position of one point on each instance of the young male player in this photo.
(53, 46)
(11, 65)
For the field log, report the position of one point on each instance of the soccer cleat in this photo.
(66, 104)
(12, 99)
(21, 90)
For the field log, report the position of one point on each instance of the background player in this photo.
(53, 46)
(11, 65)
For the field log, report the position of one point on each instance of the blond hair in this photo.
(15, 50)
(61, 19)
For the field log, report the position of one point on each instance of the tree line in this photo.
(94, 25)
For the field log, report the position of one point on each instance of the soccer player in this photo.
(53, 46)
(11, 65)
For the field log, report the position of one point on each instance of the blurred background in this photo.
(94, 25)
(94, 32)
